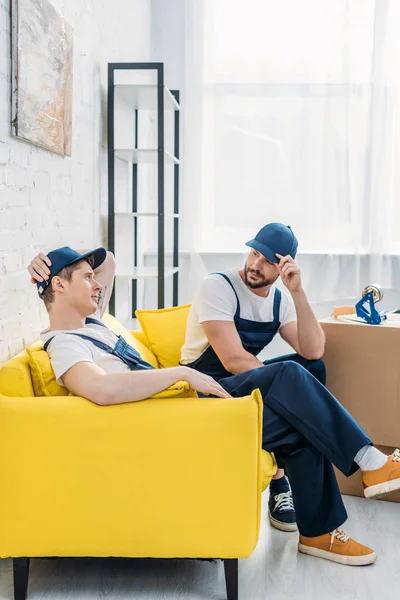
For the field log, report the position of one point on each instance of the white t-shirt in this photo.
(67, 350)
(216, 301)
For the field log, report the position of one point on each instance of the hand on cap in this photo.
(290, 273)
(39, 268)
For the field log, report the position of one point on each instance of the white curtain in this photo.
(292, 114)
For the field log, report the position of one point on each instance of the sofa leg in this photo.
(21, 573)
(231, 578)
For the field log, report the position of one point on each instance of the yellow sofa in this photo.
(172, 476)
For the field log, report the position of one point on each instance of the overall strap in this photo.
(88, 320)
(277, 303)
(237, 313)
(97, 343)
(46, 344)
(131, 361)
(92, 321)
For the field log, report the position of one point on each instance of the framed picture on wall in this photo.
(42, 56)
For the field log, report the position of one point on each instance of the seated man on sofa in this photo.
(236, 314)
(86, 356)
(303, 424)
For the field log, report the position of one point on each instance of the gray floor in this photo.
(275, 571)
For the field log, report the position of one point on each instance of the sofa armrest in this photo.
(157, 478)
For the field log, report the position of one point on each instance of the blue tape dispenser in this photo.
(365, 308)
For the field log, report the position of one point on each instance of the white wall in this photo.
(47, 201)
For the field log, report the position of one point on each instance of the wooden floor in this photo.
(275, 571)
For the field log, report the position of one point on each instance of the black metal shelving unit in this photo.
(155, 97)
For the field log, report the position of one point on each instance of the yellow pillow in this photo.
(165, 330)
(136, 343)
(142, 337)
(180, 389)
(43, 378)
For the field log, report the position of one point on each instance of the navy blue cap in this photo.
(273, 239)
(63, 257)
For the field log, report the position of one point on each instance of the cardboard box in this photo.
(363, 372)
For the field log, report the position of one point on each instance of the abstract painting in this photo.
(42, 54)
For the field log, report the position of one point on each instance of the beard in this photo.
(261, 281)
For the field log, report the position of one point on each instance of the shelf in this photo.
(137, 96)
(144, 97)
(145, 273)
(145, 214)
(149, 156)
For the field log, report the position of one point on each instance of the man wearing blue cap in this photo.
(86, 356)
(236, 314)
(303, 424)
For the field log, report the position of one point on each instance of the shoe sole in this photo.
(282, 526)
(352, 561)
(381, 489)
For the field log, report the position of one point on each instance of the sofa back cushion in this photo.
(15, 377)
(165, 330)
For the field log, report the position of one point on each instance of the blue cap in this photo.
(273, 239)
(63, 257)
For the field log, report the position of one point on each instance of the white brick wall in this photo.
(47, 201)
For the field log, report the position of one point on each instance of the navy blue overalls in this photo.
(121, 349)
(303, 424)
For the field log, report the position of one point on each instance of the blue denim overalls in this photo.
(121, 349)
(303, 424)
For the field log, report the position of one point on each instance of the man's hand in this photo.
(38, 268)
(203, 383)
(290, 273)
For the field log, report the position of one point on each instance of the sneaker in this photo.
(281, 511)
(384, 480)
(337, 547)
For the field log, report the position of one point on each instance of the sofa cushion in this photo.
(43, 378)
(165, 330)
(16, 377)
(134, 341)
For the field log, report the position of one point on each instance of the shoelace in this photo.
(396, 456)
(284, 501)
(339, 534)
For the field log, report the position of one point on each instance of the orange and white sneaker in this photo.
(337, 547)
(384, 480)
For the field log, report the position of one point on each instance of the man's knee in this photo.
(314, 367)
(291, 367)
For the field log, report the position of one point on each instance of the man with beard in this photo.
(236, 314)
